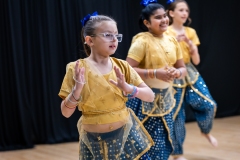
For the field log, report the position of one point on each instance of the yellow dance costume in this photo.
(101, 104)
(191, 90)
(157, 117)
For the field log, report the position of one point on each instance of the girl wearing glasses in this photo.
(191, 90)
(158, 60)
(99, 86)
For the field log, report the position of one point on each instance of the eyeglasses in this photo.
(109, 36)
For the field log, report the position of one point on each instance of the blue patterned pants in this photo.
(203, 106)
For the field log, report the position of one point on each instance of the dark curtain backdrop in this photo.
(38, 38)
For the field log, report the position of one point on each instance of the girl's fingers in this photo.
(113, 82)
(82, 71)
(76, 66)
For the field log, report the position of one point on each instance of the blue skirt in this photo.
(117, 144)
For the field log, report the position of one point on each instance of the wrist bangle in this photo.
(133, 94)
(78, 100)
(155, 73)
(151, 74)
(68, 106)
(75, 103)
(78, 81)
(145, 73)
(180, 73)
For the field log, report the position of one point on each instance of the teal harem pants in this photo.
(203, 106)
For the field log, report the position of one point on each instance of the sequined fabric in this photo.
(160, 128)
(129, 142)
(179, 131)
(163, 103)
(200, 100)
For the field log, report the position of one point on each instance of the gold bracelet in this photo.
(151, 74)
(78, 100)
(68, 106)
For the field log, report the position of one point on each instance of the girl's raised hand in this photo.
(79, 75)
(182, 37)
(120, 83)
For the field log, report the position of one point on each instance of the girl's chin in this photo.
(163, 29)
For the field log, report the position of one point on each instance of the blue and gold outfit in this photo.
(191, 90)
(157, 117)
(107, 128)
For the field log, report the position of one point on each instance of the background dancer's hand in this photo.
(182, 37)
(165, 74)
(174, 72)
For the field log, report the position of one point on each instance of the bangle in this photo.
(78, 81)
(134, 88)
(151, 74)
(67, 106)
(180, 73)
(145, 73)
(76, 103)
(155, 73)
(133, 94)
(136, 93)
(78, 100)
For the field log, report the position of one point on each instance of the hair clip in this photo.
(144, 3)
(170, 1)
(87, 17)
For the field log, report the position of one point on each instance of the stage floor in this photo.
(226, 130)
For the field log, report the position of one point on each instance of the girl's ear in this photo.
(146, 23)
(88, 40)
(171, 14)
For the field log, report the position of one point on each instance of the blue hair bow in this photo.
(87, 17)
(144, 3)
(170, 1)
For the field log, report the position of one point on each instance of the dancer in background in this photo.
(191, 89)
(158, 60)
(99, 86)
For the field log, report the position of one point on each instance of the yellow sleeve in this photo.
(137, 50)
(193, 36)
(131, 76)
(68, 81)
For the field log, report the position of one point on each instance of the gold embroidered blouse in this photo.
(102, 102)
(154, 52)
